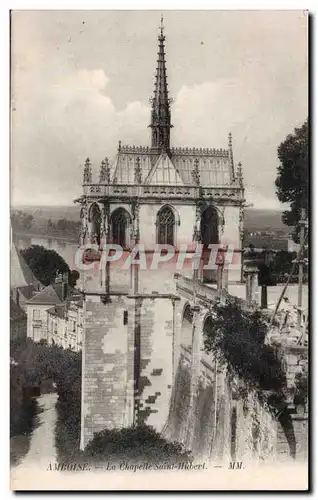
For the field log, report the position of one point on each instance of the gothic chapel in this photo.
(149, 195)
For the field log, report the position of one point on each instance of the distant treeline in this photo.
(63, 227)
(26, 223)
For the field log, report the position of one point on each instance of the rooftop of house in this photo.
(54, 294)
(28, 291)
(20, 275)
(46, 296)
(59, 311)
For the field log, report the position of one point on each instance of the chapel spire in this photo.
(160, 114)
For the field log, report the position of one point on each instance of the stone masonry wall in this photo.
(107, 376)
(209, 429)
(156, 361)
(296, 361)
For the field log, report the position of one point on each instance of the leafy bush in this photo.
(35, 363)
(136, 444)
(22, 408)
(68, 424)
(237, 336)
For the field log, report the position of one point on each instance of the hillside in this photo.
(262, 220)
(71, 213)
(255, 219)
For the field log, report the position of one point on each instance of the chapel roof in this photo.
(161, 164)
(174, 167)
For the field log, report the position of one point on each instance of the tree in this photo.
(237, 337)
(50, 226)
(44, 263)
(292, 176)
(34, 364)
(21, 220)
(283, 262)
(63, 224)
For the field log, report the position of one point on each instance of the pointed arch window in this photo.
(165, 226)
(95, 218)
(120, 221)
(209, 228)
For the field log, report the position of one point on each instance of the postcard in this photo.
(159, 250)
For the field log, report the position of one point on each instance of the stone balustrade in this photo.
(187, 287)
(99, 191)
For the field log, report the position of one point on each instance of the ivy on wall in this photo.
(236, 336)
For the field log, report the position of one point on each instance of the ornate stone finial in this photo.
(231, 156)
(119, 146)
(104, 174)
(240, 173)
(87, 176)
(196, 172)
(138, 179)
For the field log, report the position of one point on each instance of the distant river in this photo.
(64, 248)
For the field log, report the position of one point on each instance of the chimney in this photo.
(61, 285)
(65, 286)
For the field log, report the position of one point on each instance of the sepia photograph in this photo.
(159, 250)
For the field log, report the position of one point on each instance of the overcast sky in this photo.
(81, 80)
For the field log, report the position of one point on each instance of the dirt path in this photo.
(42, 448)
